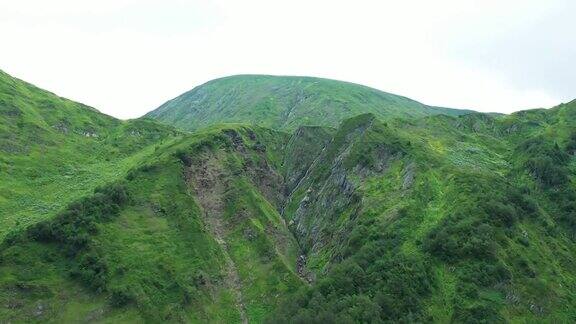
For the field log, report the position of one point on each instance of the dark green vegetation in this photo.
(387, 217)
(285, 103)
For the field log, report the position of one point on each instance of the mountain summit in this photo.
(285, 102)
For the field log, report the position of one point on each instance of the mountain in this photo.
(437, 218)
(283, 102)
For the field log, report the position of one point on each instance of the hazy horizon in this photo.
(127, 57)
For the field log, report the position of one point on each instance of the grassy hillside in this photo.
(53, 151)
(284, 103)
(193, 235)
(442, 219)
(435, 218)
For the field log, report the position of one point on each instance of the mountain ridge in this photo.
(285, 102)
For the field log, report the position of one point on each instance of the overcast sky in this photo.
(126, 57)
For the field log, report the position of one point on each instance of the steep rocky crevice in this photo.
(240, 192)
(207, 182)
(302, 177)
(322, 199)
(303, 148)
(324, 204)
(256, 167)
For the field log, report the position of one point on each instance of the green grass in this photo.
(284, 103)
(46, 159)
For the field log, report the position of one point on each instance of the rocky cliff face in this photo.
(324, 197)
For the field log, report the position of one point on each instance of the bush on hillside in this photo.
(540, 147)
(547, 172)
(72, 230)
(184, 157)
(377, 283)
(571, 146)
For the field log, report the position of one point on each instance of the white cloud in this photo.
(127, 57)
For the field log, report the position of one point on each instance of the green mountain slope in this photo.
(193, 235)
(443, 219)
(284, 103)
(53, 151)
(436, 218)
